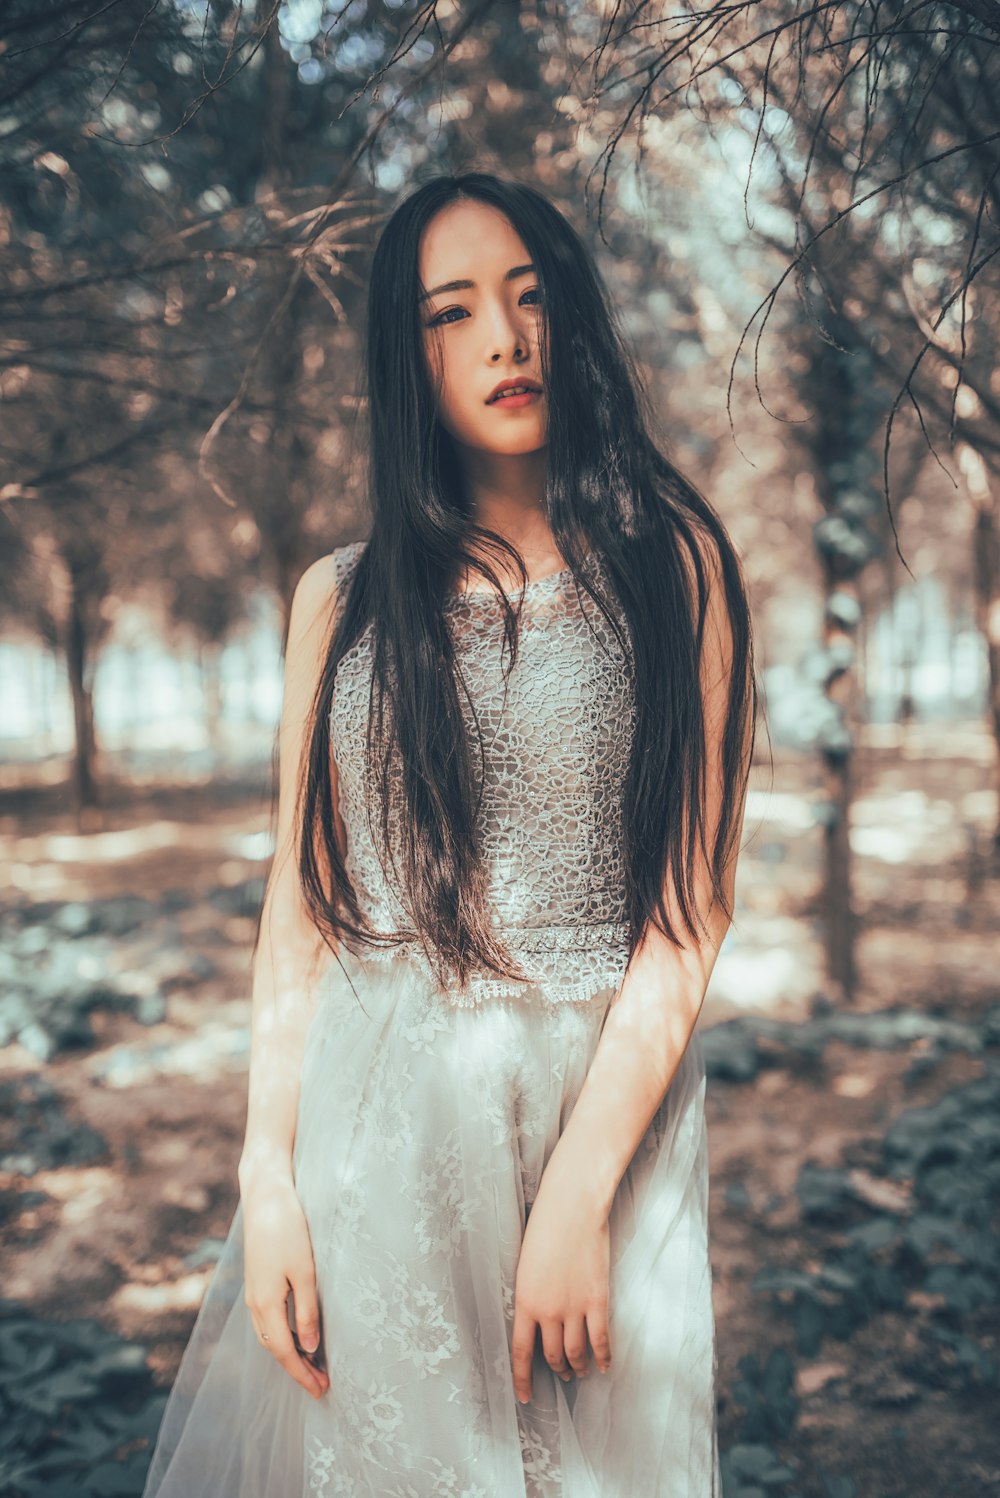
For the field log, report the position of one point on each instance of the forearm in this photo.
(290, 958)
(647, 1030)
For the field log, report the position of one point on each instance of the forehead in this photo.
(465, 237)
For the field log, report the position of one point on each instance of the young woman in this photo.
(471, 1252)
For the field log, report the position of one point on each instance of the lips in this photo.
(506, 385)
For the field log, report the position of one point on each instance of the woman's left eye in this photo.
(443, 317)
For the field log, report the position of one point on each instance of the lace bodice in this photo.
(557, 741)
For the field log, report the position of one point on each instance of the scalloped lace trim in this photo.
(582, 962)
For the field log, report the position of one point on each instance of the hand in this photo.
(562, 1285)
(277, 1257)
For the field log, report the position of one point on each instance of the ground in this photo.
(854, 1242)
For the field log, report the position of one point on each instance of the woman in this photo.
(471, 1252)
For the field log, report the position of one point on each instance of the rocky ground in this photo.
(855, 1154)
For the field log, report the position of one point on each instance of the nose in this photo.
(507, 337)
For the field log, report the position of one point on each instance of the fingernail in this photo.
(310, 1344)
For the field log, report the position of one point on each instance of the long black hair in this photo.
(609, 490)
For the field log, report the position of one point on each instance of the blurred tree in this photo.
(162, 236)
(984, 489)
(877, 131)
(163, 247)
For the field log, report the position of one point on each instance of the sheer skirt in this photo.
(423, 1130)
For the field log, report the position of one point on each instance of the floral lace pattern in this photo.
(424, 1126)
(417, 1187)
(557, 739)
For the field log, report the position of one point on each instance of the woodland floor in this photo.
(866, 1361)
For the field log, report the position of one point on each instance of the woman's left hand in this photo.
(562, 1284)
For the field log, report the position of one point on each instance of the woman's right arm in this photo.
(291, 956)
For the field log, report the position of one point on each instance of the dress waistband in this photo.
(563, 962)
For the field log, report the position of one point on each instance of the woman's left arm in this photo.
(563, 1269)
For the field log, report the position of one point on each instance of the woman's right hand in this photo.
(278, 1257)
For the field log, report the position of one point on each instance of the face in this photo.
(484, 330)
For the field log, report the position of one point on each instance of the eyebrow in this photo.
(511, 275)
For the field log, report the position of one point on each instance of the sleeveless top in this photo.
(556, 744)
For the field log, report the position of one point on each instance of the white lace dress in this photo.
(426, 1117)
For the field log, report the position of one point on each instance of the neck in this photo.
(507, 495)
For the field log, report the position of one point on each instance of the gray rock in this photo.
(150, 1009)
(30, 941)
(19, 1165)
(738, 1197)
(15, 1015)
(822, 1193)
(839, 1485)
(37, 1041)
(759, 1463)
(124, 914)
(74, 919)
(730, 1052)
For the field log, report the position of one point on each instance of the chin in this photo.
(521, 450)
(517, 444)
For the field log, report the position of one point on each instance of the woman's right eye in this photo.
(440, 318)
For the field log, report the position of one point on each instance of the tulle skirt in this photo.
(423, 1130)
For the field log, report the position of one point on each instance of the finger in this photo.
(309, 1356)
(314, 1380)
(276, 1337)
(555, 1354)
(575, 1343)
(522, 1351)
(597, 1330)
(305, 1311)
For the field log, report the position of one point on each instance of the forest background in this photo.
(797, 210)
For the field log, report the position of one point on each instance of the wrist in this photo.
(269, 1170)
(590, 1188)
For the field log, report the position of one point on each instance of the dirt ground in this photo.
(125, 1237)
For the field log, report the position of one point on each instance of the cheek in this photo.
(444, 375)
(458, 408)
(433, 361)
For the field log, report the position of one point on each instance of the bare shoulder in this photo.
(316, 592)
(316, 589)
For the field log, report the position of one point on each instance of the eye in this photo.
(443, 318)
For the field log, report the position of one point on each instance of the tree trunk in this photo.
(209, 661)
(286, 467)
(841, 387)
(80, 667)
(986, 570)
(839, 773)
